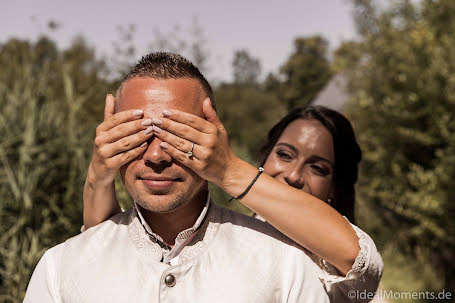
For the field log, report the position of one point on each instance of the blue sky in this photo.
(265, 28)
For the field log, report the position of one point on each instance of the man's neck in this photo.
(169, 225)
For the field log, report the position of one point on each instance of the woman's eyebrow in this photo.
(287, 145)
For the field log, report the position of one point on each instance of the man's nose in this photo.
(155, 154)
(294, 177)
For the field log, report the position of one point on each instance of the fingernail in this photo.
(146, 122)
(143, 144)
(167, 113)
(156, 129)
(138, 112)
(163, 145)
(156, 121)
(148, 130)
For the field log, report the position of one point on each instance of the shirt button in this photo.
(169, 280)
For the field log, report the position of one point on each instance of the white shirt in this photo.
(232, 258)
(364, 275)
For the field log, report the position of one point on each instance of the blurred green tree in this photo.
(248, 113)
(402, 76)
(305, 72)
(246, 69)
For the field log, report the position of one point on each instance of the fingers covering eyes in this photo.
(123, 130)
(119, 118)
(191, 121)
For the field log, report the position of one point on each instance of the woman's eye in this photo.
(284, 156)
(319, 170)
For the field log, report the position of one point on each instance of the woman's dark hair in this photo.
(347, 151)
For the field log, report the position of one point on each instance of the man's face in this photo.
(154, 180)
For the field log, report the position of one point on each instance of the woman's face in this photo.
(304, 158)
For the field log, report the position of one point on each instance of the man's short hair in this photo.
(164, 65)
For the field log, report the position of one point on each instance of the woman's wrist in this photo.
(98, 182)
(238, 176)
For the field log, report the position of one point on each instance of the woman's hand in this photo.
(212, 156)
(120, 138)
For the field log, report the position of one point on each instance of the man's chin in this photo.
(160, 203)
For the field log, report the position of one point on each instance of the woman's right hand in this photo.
(120, 138)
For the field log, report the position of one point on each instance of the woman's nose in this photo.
(294, 177)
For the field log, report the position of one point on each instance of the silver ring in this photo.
(190, 153)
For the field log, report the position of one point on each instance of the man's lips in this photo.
(158, 182)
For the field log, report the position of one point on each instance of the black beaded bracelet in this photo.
(249, 186)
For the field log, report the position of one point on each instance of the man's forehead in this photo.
(154, 95)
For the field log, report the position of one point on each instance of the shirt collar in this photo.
(183, 234)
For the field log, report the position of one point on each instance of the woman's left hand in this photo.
(211, 156)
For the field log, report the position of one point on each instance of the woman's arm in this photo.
(305, 219)
(100, 201)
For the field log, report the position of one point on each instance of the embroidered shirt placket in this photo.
(171, 255)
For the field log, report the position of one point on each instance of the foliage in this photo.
(305, 72)
(403, 107)
(47, 118)
(248, 112)
(246, 69)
